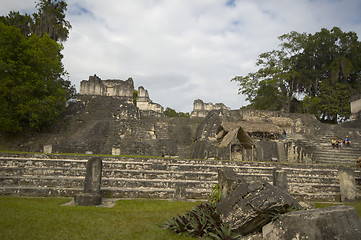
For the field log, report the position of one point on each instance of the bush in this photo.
(201, 221)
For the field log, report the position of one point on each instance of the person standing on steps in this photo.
(284, 134)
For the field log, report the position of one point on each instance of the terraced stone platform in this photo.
(129, 177)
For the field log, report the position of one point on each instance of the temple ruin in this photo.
(201, 109)
(120, 89)
(186, 153)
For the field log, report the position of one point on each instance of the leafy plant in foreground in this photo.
(216, 194)
(201, 221)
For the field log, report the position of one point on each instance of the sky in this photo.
(183, 50)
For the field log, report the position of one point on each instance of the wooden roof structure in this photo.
(229, 131)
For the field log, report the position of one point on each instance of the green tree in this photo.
(31, 92)
(324, 68)
(135, 95)
(23, 22)
(277, 68)
(169, 112)
(50, 19)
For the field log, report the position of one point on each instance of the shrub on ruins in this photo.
(322, 70)
(31, 91)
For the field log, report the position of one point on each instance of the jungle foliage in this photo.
(169, 112)
(322, 70)
(33, 90)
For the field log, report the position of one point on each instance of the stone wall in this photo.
(129, 177)
(114, 88)
(145, 104)
(121, 89)
(201, 109)
(355, 102)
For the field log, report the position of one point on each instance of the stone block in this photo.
(47, 148)
(347, 185)
(93, 175)
(280, 179)
(228, 180)
(87, 199)
(251, 205)
(338, 222)
(115, 151)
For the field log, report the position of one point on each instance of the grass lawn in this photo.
(44, 218)
(357, 206)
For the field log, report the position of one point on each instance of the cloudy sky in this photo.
(182, 50)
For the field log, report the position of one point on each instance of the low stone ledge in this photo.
(338, 222)
(87, 199)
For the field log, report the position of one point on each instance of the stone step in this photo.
(162, 178)
(313, 188)
(105, 192)
(317, 197)
(67, 182)
(177, 173)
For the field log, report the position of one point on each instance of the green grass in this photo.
(44, 218)
(357, 206)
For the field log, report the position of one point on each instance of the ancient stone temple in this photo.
(114, 88)
(120, 89)
(145, 104)
(201, 109)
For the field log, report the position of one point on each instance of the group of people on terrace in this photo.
(337, 143)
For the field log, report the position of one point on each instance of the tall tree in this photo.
(31, 92)
(23, 22)
(50, 19)
(323, 67)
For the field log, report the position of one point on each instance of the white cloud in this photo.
(182, 50)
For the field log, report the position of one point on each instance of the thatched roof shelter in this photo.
(229, 131)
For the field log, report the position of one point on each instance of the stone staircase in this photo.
(345, 155)
(324, 153)
(63, 175)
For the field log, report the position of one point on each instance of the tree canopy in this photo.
(169, 112)
(33, 90)
(323, 68)
(49, 19)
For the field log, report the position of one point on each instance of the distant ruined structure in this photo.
(355, 103)
(113, 88)
(201, 109)
(120, 89)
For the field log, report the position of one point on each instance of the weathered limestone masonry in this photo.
(114, 88)
(92, 184)
(63, 175)
(355, 102)
(146, 105)
(119, 88)
(201, 109)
